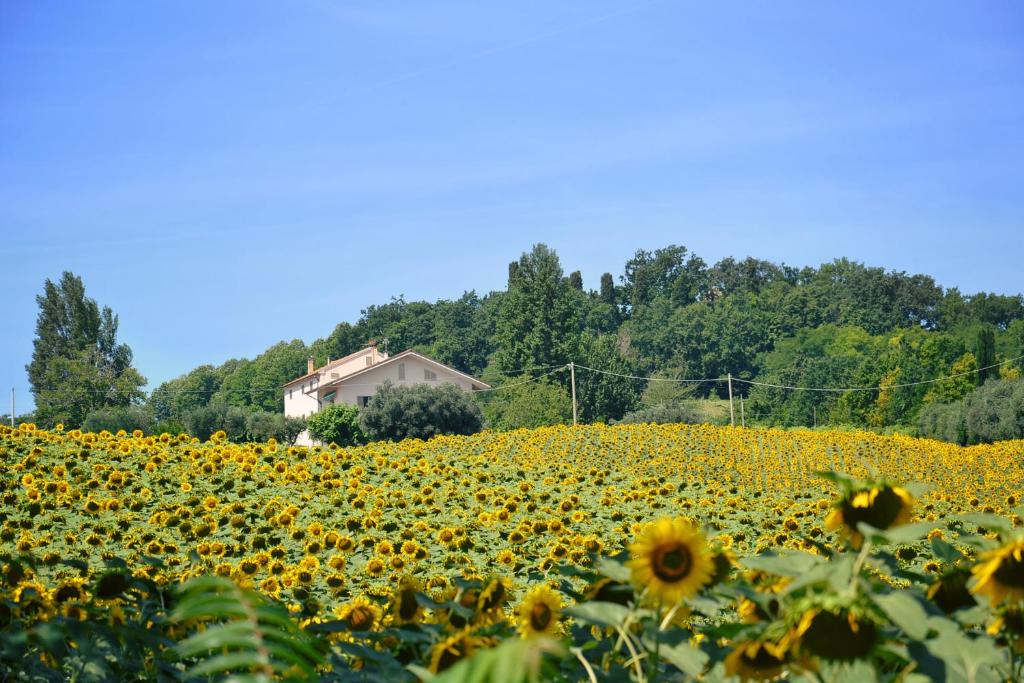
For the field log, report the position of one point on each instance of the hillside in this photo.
(669, 314)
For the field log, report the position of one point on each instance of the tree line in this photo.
(668, 314)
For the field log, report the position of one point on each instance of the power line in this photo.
(879, 388)
(517, 384)
(651, 379)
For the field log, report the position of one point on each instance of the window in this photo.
(362, 401)
(429, 375)
(289, 393)
(401, 371)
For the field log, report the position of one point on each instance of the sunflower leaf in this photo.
(613, 570)
(599, 613)
(905, 612)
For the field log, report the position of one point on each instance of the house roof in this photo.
(333, 363)
(400, 356)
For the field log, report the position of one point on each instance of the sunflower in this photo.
(453, 649)
(840, 635)
(1009, 627)
(757, 660)
(538, 614)
(375, 566)
(360, 614)
(1000, 573)
(949, 592)
(883, 507)
(670, 560)
(405, 608)
(494, 595)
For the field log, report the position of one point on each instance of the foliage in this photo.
(538, 318)
(338, 424)
(994, 412)
(419, 411)
(528, 405)
(241, 424)
(77, 364)
(681, 412)
(114, 419)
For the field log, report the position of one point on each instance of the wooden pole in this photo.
(743, 415)
(572, 377)
(12, 406)
(732, 412)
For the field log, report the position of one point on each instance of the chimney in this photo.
(309, 366)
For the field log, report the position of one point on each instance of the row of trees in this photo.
(668, 314)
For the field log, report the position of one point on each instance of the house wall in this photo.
(367, 383)
(296, 401)
(353, 365)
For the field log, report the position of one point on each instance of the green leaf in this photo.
(613, 570)
(599, 613)
(945, 551)
(683, 656)
(988, 521)
(224, 663)
(905, 612)
(787, 563)
(906, 533)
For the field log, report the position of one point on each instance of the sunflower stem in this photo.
(858, 564)
(586, 665)
(653, 667)
(634, 657)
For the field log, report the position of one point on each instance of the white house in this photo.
(355, 378)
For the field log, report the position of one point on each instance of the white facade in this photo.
(355, 378)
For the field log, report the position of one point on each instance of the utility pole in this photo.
(732, 412)
(12, 406)
(572, 377)
(815, 409)
(743, 415)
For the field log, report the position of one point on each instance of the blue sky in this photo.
(228, 174)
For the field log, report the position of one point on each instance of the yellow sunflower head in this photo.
(539, 612)
(405, 608)
(670, 561)
(1000, 573)
(882, 506)
(840, 634)
(495, 594)
(453, 649)
(361, 614)
(757, 660)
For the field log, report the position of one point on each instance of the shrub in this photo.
(664, 414)
(114, 418)
(337, 424)
(993, 412)
(420, 411)
(538, 404)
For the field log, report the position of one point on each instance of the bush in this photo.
(993, 412)
(419, 411)
(241, 424)
(664, 414)
(538, 404)
(338, 424)
(114, 418)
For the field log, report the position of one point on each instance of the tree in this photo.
(985, 354)
(420, 411)
(603, 397)
(337, 424)
(538, 319)
(77, 364)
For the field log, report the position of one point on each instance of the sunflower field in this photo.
(591, 553)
